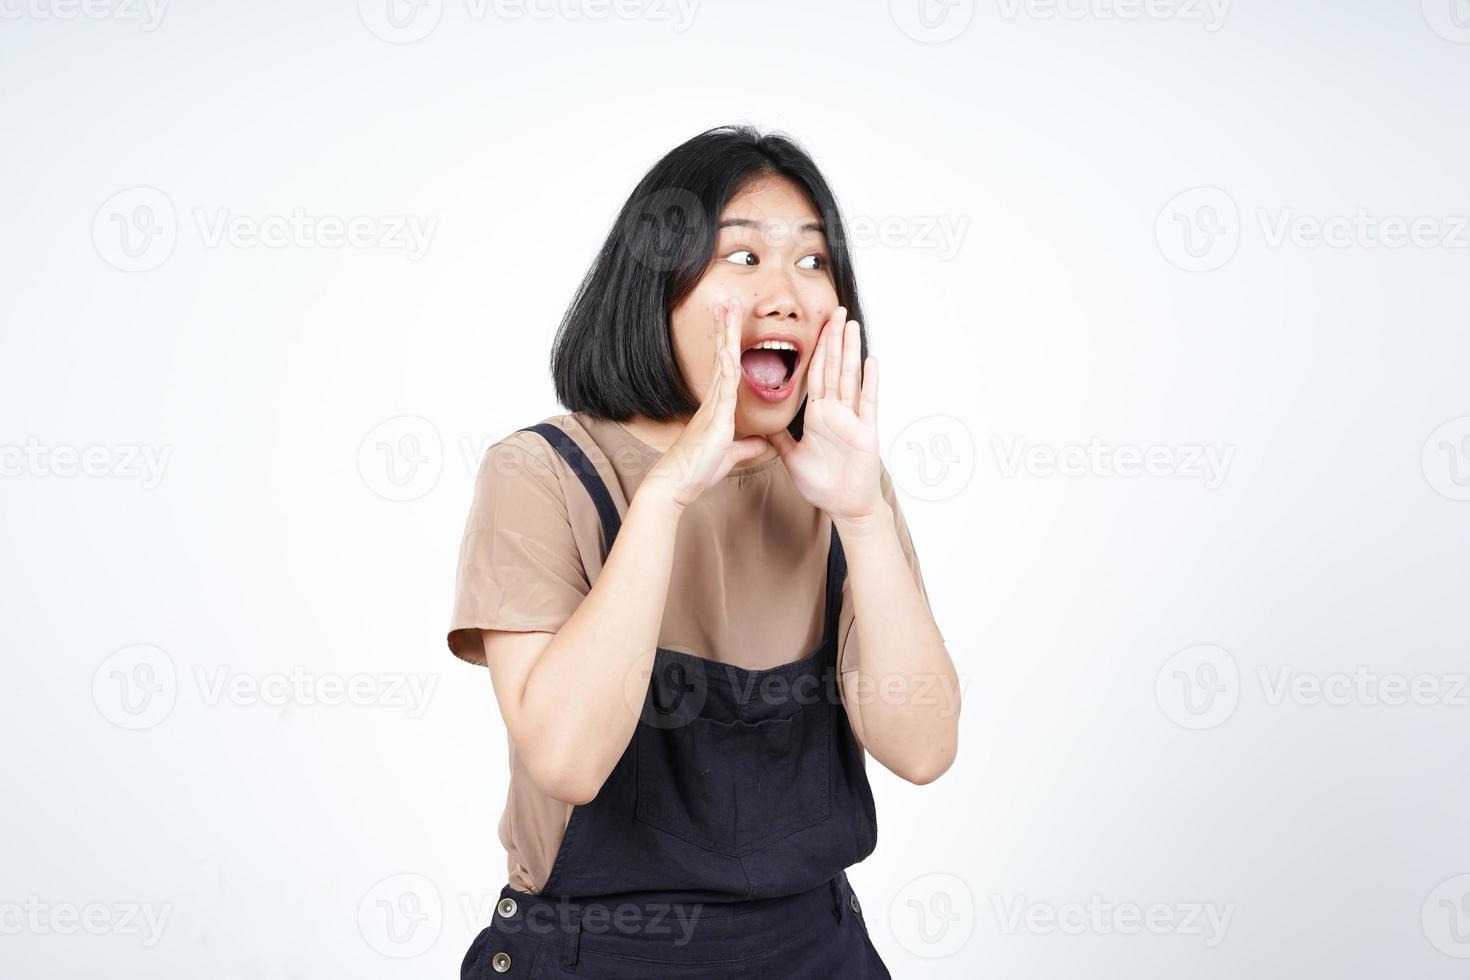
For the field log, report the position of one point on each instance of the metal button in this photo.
(501, 963)
(852, 900)
(507, 907)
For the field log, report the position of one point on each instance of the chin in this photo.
(762, 420)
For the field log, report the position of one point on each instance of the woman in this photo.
(671, 584)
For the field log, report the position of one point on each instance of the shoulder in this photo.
(527, 443)
(527, 458)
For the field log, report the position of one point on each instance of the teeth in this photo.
(773, 345)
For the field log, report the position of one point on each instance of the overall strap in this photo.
(587, 473)
(611, 522)
(836, 575)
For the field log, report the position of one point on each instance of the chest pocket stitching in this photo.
(661, 805)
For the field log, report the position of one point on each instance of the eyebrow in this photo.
(747, 223)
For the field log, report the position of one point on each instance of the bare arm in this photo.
(903, 699)
(571, 699)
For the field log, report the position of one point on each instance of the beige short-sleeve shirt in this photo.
(747, 589)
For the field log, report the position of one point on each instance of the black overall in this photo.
(717, 847)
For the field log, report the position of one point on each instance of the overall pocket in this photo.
(732, 787)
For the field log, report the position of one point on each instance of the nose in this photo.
(775, 295)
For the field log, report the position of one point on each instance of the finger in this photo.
(712, 390)
(728, 389)
(711, 387)
(868, 406)
(748, 448)
(816, 372)
(734, 319)
(831, 362)
(782, 440)
(847, 384)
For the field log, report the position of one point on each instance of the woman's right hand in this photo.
(707, 448)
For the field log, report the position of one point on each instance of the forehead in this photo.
(773, 206)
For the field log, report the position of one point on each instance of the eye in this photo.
(735, 257)
(818, 262)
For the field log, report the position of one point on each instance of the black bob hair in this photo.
(613, 356)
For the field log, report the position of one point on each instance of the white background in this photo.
(315, 413)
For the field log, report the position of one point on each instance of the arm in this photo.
(571, 699)
(903, 698)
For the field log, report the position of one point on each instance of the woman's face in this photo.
(771, 257)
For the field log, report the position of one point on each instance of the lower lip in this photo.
(771, 394)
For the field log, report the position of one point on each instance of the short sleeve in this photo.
(519, 567)
(847, 651)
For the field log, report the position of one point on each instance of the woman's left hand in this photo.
(835, 464)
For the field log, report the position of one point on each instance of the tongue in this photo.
(764, 367)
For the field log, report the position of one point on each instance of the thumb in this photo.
(782, 440)
(748, 448)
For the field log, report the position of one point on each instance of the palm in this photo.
(835, 464)
(836, 461)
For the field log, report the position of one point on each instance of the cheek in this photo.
(692, 330)
(819, 300)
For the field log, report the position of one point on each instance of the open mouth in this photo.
(769, 366)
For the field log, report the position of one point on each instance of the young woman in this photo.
(698, 600)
